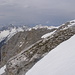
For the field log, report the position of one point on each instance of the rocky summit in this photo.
(28, 48)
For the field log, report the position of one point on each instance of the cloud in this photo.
(36, 11)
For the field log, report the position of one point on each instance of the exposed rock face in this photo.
(20, 41)
(21, 63)
(6, 32)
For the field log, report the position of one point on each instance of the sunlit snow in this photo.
(60, 61)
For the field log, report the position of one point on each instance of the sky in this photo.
(33, 12)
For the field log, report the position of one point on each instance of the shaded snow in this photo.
(2, 70)
(4, 34)
(47, 35)
(9, 33)
(60, 61)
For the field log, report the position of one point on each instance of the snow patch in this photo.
(21, 43)
(2, 70)
(47, 35)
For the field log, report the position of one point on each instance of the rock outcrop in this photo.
(21, 63)
(21, 41)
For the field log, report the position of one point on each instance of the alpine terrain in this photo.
(41, 50)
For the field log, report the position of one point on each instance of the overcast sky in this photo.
(32, 12)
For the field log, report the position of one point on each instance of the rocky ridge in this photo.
(21, 63)
(21, 40)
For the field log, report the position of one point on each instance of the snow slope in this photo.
(60, 61)
(2, 70)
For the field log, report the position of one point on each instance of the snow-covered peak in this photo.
(72, 21)
(62, 27)
(41, 26)
(9, 32)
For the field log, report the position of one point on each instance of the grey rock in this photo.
(19, 42)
